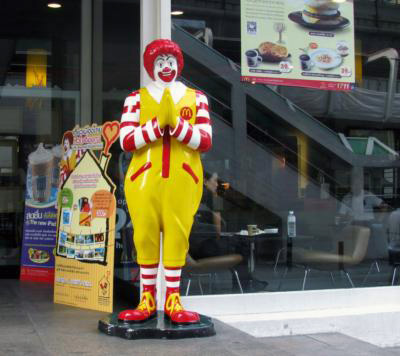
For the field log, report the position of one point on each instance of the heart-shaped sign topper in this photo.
(110, 134)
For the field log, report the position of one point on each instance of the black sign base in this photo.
(156, 328)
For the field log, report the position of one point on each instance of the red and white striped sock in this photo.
(172, 279)
(148, 274)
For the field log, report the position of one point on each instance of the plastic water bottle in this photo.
(291, 224)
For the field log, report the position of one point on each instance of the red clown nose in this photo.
(161, 47)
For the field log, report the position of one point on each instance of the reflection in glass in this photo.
(322, 154)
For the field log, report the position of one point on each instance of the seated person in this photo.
(206, 232)
(206, 241)
(393, 227)
(359, 206)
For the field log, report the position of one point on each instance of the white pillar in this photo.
(86, 63)
(155, 22)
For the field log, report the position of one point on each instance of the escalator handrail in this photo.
(263, 132)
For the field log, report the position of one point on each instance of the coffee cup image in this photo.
(306, 62)
(38, 256)
(253, 58)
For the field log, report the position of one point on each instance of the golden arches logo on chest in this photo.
(186, 113)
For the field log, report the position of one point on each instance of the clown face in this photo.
(67, 145)
(165, 70)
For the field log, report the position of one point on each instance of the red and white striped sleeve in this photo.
(198, 136)
(132, 135)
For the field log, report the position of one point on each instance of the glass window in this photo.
(39, 100)
(311, 174)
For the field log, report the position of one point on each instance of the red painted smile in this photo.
(167, 75)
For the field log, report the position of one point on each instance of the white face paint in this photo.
(67, 145)
(165, 70)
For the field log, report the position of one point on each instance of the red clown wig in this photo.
(68, 136)
(160, 47)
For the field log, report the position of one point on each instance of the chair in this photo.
(209, 266)
(377, 248)
(351, 244)
(393, 230)
(394, 257)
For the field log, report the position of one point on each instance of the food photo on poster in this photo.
(306, 43)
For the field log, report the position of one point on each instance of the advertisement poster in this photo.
(86, 219)
(304, 43)
(40, 217)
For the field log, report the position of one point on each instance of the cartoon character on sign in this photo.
(166, 125)
(68, 161)
(84, 212)
(70, 157)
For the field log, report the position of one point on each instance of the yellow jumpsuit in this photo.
(163, 189)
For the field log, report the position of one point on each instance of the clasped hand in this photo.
(167, 113)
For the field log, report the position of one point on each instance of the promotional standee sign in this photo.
(305, 43)
(40, 218)
(86, 219)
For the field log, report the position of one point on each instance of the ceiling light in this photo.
(177, 13)
(54, 5)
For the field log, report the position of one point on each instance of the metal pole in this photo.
(86, 63)
(97, 60)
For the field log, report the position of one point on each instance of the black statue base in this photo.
(156, 328)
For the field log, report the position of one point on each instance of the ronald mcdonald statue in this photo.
(166, 125)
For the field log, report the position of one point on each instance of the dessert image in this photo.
(320, 14)
(272, 52)
(38, 256)
(342, 48)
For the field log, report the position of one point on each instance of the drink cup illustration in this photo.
(41, 162)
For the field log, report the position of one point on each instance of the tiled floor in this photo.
(32, 325)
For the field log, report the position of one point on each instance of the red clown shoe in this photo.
(173, 309)
(145, 310)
